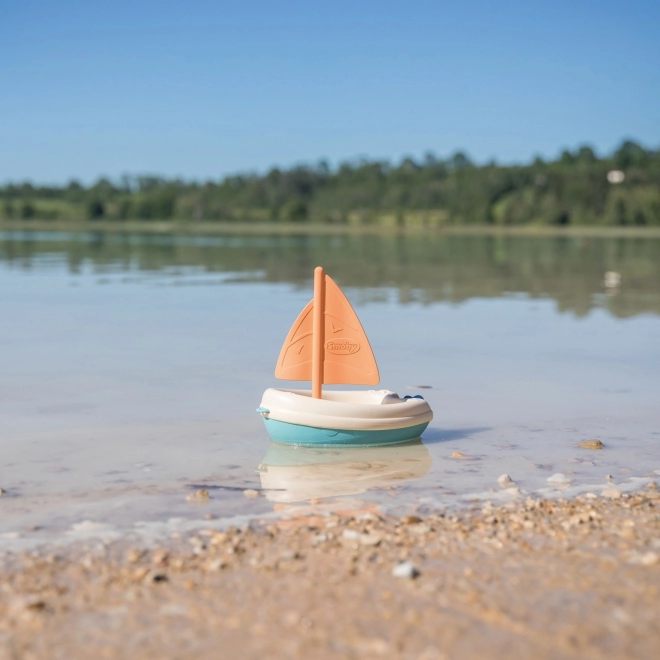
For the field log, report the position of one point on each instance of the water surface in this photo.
(131, 367)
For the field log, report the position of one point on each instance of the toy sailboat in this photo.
(327, 345)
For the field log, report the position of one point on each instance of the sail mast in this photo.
(318, 332)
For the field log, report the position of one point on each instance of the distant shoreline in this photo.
(201, 228)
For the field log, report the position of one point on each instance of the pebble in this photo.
(352, 535)
(558, 478)
(2, 492)
(612, 493)
(463, 457)
(504, 480)
(369, 517)
(420, 528)
(133, 556)
(645, 559)
(251, 493)
(289, 555)
(319, 538)
(410, 520)
(215, 564)
(201, 495)
(139, 573)
(405, 569)
(31, 603)
(160, 556)
(591, 444)
(370, 539)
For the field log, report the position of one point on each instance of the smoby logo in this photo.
(342, 346)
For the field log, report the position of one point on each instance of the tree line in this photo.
(577, 188)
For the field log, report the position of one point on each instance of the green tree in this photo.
(95, 209)
(630, 154)
(28, 211)
(294, 210)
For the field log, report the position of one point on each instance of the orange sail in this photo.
(327, 344)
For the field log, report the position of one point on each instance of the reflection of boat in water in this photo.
(292, 474)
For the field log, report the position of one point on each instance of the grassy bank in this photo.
(202, 228)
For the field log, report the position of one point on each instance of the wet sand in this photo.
(531, 579)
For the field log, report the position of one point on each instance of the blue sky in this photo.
(200, 89)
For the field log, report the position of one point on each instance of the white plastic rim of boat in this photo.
(367, 410)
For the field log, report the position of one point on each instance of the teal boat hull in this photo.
(310, 436)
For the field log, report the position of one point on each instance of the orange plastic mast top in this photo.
(327, 343)
(318, 332)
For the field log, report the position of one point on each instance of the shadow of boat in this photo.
(293, 474)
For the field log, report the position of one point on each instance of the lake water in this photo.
(131, 367)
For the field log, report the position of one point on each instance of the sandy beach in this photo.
(533, 578)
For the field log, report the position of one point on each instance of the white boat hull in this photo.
(366, 417)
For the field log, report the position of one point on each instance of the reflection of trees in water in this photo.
(420, 268)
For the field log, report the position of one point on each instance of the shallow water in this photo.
(131, 367)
